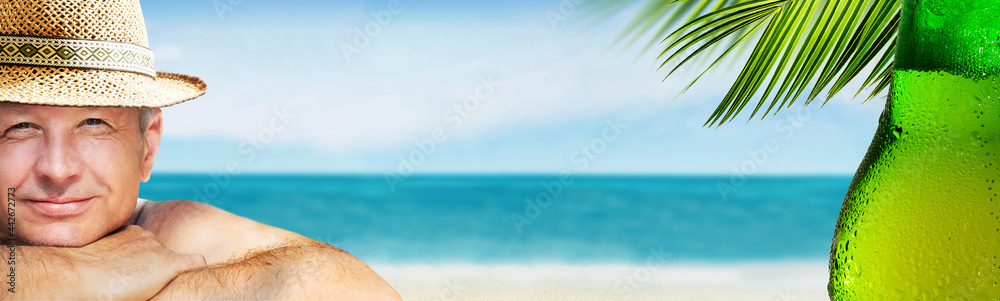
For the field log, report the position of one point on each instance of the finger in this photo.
(127, 229)
(129, 232)
(119, 236)
(190, 261)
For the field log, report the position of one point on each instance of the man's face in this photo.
(76, 171)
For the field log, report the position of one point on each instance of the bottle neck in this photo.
(947, 77)
(961, 37)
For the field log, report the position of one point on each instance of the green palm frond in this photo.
(656, 16)
(814, 45)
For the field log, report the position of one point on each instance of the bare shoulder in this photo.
(226, 239)
(193, 227)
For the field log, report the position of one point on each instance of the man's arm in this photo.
(294, 272)
(130, 264)
(249, 260)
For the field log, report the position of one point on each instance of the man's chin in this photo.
(60, 235)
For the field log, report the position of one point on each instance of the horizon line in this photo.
(598, 174)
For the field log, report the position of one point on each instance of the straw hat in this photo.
(83, 53)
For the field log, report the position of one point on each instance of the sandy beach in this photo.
(777, 281)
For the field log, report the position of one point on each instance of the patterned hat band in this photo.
(76, 53)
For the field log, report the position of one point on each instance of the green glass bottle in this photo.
(921, 220)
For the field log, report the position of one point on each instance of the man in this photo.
(80, 128)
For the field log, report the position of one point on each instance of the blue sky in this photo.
(549, 91)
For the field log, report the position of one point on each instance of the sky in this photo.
(424, 86)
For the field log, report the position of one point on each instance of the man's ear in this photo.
(154, 130)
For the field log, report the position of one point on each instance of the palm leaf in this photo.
(803, 47)
(655, 16)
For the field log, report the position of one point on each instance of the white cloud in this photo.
(405, 81)
(168, 52)
(412, 73)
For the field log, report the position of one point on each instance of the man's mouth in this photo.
(59, 208)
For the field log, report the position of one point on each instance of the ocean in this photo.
(535, 218)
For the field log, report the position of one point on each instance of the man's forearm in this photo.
(37, 273)
(41, 273)
(129, 264)
(294, 272)
(253, 277)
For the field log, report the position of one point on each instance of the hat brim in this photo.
(69, 87)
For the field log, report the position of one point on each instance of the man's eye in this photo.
(94, 121)
(22, 130)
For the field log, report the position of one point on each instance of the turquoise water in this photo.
(594, 219)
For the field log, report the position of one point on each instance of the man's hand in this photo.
(127, 265)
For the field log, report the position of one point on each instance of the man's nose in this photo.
(58, 163)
